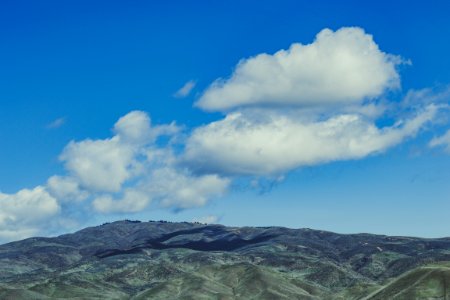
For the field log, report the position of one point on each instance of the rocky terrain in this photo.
(161, 260)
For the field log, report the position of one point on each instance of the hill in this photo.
(162, 260)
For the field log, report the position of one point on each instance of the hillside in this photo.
(161, 260)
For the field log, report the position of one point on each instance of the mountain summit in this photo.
(163, 260)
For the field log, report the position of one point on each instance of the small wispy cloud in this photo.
(185, 90)
(211, 219)
(441, 141)
(56, 123)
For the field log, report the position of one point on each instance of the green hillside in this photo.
(160, 260)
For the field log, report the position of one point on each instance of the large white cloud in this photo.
(132, 201)
(338, 67)
(164, 182)
(100, 165)
(269, 143)
(180, 189)
(304, 106)
(169, 186)
(104, 165)
(23, 213)
(126, 172)
(66, 189)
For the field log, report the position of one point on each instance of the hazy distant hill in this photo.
(160, 260)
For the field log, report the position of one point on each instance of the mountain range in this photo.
(164, 260)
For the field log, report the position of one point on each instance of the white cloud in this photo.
(210, 219)
(132, 201)
(304, 106)
(23, 214)
(56, 123)
(104, 165)
(180, 189)
(420, 97)
(131, 158)
(134, 127)
(166, 184)
(171, 129)
(100, 165)
(66, 189)
(186, 89)
(345, 66)
(269, 142)
(169, 186)
(441, 141)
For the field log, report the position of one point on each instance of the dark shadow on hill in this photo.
(230, 244)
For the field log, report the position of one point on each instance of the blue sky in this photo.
(70, 69)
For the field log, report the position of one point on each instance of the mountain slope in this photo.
(428, 282)
(161, 260)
